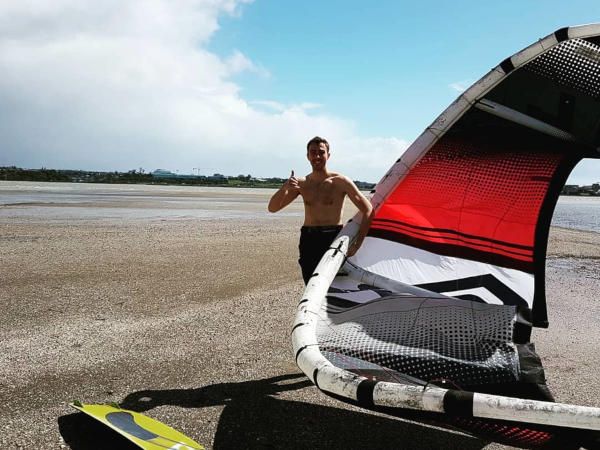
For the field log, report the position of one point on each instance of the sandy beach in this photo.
(188, 320)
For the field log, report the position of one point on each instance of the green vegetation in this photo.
(574, 189)
(140, 177)
(168, 178)
(16, 174)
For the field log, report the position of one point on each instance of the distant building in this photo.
(570, 189)
(162, 173)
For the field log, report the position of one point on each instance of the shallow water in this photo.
(80, 201)
(86, 201)
(579, 213)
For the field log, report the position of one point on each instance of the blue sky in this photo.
(238, 86)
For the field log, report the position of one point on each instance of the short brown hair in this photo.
(318, 140)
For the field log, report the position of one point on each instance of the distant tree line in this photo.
(141, 177)
(16, 174)
(43, 174)
(574, 189)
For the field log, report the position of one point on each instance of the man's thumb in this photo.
(292, 173)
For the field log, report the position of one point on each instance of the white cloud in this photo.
(237, 62)
(280, 107)
(364, 157)
(460, 86)
(305, 106)
(269, 104)
(116, 85)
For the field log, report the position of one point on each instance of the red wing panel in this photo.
(471, 200)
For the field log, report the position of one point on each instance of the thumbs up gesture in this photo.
(293, 182)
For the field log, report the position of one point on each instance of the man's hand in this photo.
(292, 182)
(285, 194)
(354, 246)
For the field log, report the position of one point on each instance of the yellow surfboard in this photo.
(145, 432)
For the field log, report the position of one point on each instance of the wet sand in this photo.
(188, 319)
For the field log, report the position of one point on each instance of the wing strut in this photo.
(522, 119)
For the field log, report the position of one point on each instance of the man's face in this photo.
(317, 155)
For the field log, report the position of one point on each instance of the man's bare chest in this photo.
(324, 193)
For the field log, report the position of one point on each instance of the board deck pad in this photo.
(145, 432)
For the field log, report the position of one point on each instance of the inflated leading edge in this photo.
(368, 392)
(490, 170)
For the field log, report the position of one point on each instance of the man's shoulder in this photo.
(345, 184)
(341, 178)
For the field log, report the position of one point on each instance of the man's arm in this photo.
(285, 194)
(364, 206)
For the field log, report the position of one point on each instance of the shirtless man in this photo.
(323, 193)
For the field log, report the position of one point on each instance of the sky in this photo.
(239, 86)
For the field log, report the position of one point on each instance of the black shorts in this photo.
(314, 242)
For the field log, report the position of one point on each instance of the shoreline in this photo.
(571, 243)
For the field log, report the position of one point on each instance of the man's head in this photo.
(317, 152)
(317, 140)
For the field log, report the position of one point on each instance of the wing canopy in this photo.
(470, 209)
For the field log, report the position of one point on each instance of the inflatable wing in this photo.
(434, 313)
